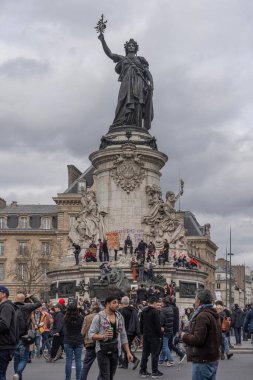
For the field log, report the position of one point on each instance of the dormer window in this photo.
(1, 222)
(1, 248)
(23, 222)
(46, 223)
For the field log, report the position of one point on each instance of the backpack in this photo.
(134, 326)
(225, 326)
(21, 321)
(22, 332)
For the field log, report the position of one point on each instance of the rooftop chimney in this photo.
(2, 203)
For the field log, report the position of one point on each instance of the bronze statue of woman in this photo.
(135, 105)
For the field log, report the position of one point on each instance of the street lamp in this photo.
(230, 254)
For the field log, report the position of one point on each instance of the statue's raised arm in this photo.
(107, 51)
(135, 104)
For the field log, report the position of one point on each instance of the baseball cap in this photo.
(4, 290)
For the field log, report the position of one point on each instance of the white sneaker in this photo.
(170, 364)
(15, 377)
(182, 359)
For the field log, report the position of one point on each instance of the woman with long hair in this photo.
(73, 340)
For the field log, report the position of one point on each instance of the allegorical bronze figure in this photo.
(135, 105)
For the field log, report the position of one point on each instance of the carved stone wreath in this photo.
(128, 170)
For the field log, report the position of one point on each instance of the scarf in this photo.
(198, 310)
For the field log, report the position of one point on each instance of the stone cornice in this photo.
(202, 240)
(156, 157)
(27, 233)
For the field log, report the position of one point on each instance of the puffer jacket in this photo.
(204, 340)
(248, 322)
(167, 319)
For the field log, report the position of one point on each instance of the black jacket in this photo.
(167, 319)
(132, 324)
(175, 319)
(8, 326)
(58, 323)
(237, 318)
(150, 324)
(28, 308)
(72, 331)
(248, 321)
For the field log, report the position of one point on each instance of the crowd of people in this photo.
(106, 332)
(144, 257)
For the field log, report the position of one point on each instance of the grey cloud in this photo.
(200, 55)
(23, 68)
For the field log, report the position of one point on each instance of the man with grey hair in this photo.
(205, 338)
(132, 329)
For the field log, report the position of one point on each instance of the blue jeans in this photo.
(69, 350)
(165, 352)
(225, 343)
(238, 337)
(204, 371)
(21, 357)
(45, 335)
(5, 358)
(37, 344)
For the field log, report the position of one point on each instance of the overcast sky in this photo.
(58, 93)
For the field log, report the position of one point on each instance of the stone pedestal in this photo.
(127, 163)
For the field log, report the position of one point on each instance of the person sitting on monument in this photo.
(90, 256)
(192, 263)
(180, 262)
(93, 247)
(128, 244)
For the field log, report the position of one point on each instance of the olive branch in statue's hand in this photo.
(101, 26)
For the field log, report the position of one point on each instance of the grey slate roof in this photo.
(192, 225)
(29, 209)
(87, 176)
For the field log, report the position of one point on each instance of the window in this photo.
(218, 285)
(72, 220)
(1, 271)
(218, 276)
(1, 248)
(22, 248)
(45, 248)
(23, 222)
(22, 271)
(1, 223)
(81, 186)
(44, 269)
(46, 223)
